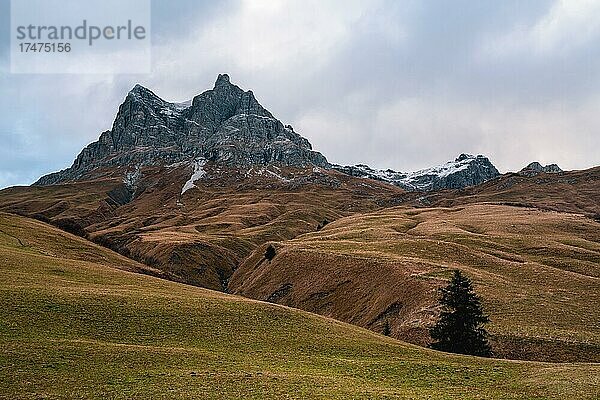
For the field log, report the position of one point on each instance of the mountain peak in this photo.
(464, 156)
(222, 79)
(143, 94)
(224, 125)
(536, 168)
(466, 170)
(139, 89)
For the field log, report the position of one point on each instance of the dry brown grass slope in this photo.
(537, 270)
(539, 273)
(199, 237)
(75, 323)
(573, 191)
(33, 238)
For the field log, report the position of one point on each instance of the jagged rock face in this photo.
(225, 125)
(464, 171)
(536, 168)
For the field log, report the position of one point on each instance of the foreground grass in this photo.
(75, 328)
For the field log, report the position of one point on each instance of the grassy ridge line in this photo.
(76, 329)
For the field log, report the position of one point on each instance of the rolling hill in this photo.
(76, 323)
(538, 271)
(202, 235)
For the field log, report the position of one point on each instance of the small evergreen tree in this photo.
(270, 253)
(460, 327)
(322, 224)
(387, 331)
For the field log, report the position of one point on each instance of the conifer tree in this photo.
(460, 327)
(387, 330)
(270, 252)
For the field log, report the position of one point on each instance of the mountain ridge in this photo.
(228, 126)
(466, 170)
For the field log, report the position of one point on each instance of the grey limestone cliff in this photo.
(225, 124)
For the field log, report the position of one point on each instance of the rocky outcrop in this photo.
(464, 171)
(225, 125)
(535, 168)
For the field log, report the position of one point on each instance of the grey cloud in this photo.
(399, 84)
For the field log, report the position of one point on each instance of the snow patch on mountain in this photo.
(441, 171)
(272, 171)
(197, 174)
(276, 175)
(175, 109)
(132, 178)
(464, 171)
(183, 105)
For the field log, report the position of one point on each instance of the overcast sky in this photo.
(393, 84)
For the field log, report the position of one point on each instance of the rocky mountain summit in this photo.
(464, 171)
(535, 168)
(226, 125)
